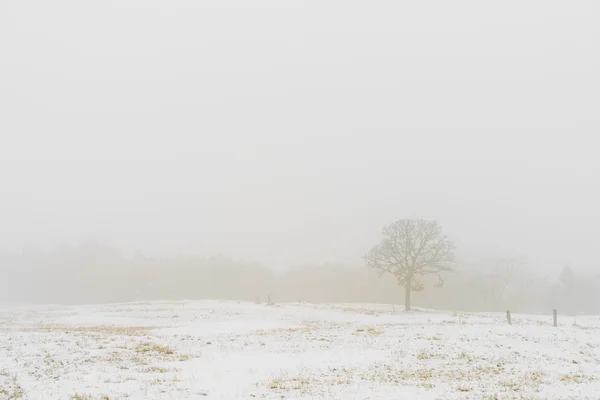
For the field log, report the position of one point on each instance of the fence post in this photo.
(508, 319)
(555, 317)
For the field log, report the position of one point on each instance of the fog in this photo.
(288, 133)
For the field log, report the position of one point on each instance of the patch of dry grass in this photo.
(577, 378)
(305, 385)
(370, 331)
(471, 378)
(155, 370)
(99, 330)
(150, 347)
(78, 396)
(426, 355)
(283, 384)
(10, 389)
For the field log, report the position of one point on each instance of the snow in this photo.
(234, 350)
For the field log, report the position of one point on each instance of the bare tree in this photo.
(412, 248)
(502, 274)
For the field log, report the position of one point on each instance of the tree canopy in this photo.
(412, 248)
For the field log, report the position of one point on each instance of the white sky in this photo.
(292, 131)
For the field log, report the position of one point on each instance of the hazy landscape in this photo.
(299, 199)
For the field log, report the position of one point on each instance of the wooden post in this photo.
(555, 317)
(269, 299)
(508, 319)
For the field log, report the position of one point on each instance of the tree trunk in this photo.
(407, 296)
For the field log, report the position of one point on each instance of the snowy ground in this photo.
(230, 350)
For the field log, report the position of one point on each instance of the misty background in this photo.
(242, 142)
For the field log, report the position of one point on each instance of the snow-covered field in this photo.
(231, 350)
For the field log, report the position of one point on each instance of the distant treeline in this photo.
(94, 273)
